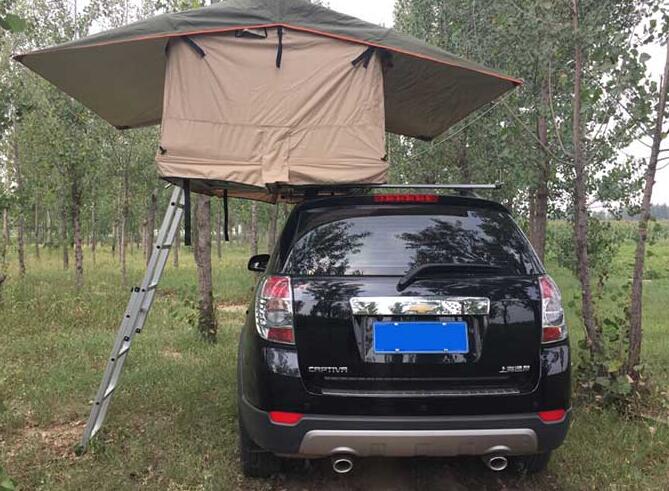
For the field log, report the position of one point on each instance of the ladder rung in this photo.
(123, 351)
(152, 286)
(164, 246)
(109, 391)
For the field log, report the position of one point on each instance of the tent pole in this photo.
(187, 212)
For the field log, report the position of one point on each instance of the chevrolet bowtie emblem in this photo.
(420, 308)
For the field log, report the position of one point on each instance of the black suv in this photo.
(402, 325)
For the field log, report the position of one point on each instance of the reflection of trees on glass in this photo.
(326, 250)
(282, 361)
(331, 297)
(479, 238)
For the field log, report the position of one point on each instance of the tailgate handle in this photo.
(420, 305)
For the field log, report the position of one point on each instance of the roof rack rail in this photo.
(457, 187)
(310, 191)
(330, 187)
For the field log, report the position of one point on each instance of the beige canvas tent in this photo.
(231, 114)
(258, 94)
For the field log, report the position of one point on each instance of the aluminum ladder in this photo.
(139, 305)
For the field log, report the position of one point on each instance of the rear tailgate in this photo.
(346, 261)
(336, 348)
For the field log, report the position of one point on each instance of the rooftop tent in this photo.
(253, 94)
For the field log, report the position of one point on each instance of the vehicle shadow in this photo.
(421, 474)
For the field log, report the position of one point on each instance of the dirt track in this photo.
(406, 474)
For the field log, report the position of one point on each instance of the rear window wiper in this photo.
(432, 269)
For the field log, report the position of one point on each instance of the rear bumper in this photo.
(324, 435)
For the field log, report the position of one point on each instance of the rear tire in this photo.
(532, 464)
(255, 461)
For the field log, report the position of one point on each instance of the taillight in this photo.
(552, 313)
(274, 310)
(283, 418)
(406, 198)
(552, 415)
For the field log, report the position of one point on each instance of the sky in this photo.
(381, 12)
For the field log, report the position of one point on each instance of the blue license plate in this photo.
(420, 337)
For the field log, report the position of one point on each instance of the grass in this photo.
(172, 424)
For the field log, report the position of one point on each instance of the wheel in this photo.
(532, 464)
(255, 461)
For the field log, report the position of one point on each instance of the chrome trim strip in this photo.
(410, 443)
(420, 305)
(419, 393)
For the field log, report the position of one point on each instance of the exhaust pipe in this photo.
(495, 463)
(342, 464)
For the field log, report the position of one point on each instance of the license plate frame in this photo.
(420, 337)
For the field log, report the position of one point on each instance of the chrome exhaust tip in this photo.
(496, 463)
(342, 464)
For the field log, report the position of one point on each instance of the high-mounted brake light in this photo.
(406, 198)
(274, 310)
(552, 314)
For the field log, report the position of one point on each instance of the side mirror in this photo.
(258, 263)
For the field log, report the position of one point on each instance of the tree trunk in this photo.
(463, 163)
(3, 253)
(22, 245)
(63, 235)
(636, 304)
(48, 237)
(19, 190)
(580, 195)
(36, 231)
(94, 237)
(219, 230)
(5, 226)
(151, 224)
(175, 253)
(271, 236)
(76, 233)
(4, 243)
(142, 233)
(194, 228)
(531, 212)
(254, 228)
(541, 196)
(114, 238)
(207, 317)
(123, 233)
(3, 277)
(116, 225)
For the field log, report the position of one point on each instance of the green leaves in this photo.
(6, 484)
(13, 23)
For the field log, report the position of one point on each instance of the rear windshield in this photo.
(396, 240)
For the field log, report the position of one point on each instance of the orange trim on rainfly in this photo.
(500, 76)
